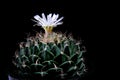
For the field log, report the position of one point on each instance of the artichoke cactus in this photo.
(49, 55)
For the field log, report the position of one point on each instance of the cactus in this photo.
(49, 55)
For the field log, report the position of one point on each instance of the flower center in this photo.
(48, 29)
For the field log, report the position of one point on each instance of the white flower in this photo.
(49, 21)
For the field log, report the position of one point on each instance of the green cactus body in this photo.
(58, 58)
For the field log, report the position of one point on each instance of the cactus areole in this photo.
(49, 55)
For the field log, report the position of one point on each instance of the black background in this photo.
(86, 20)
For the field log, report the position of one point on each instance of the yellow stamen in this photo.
(48, 29)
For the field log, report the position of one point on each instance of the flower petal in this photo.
(44, 18)
(37, 17)
(58, 20)
(49, 19)
(54, 18)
